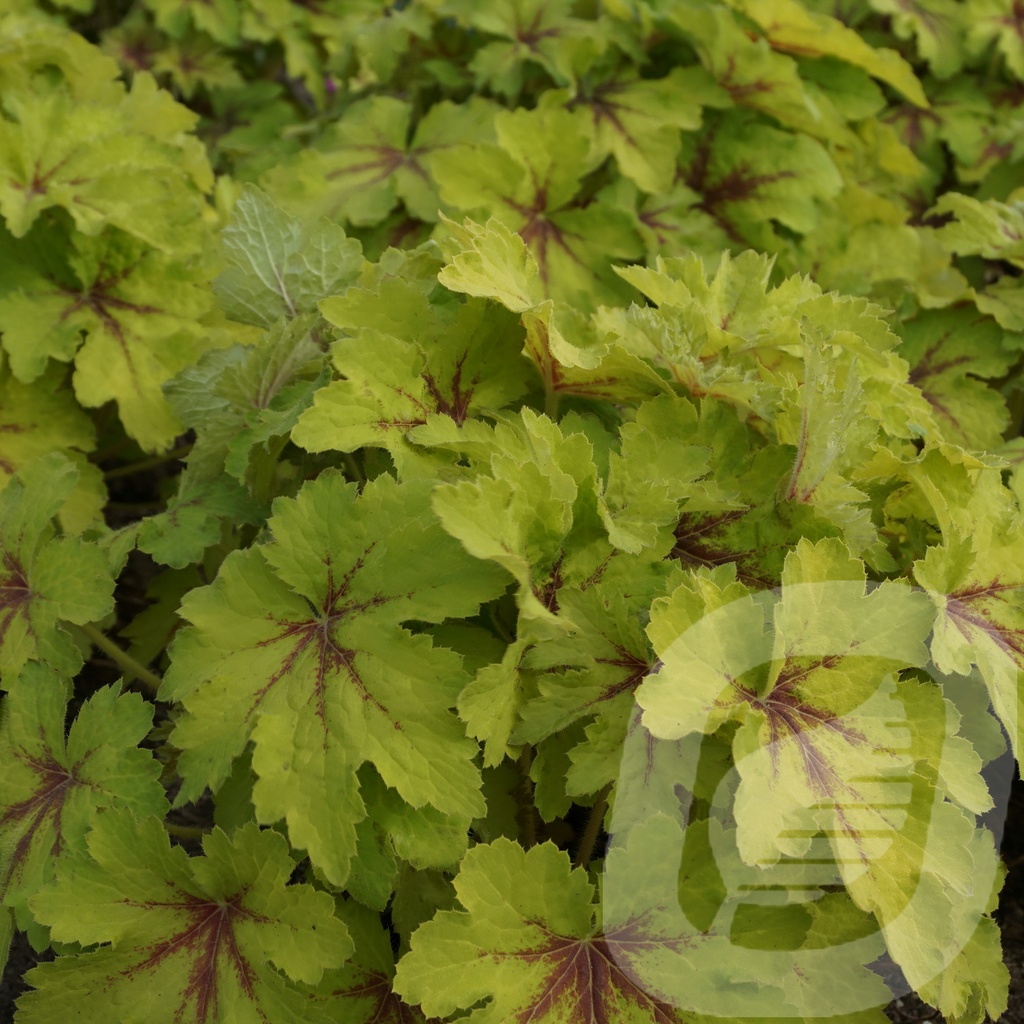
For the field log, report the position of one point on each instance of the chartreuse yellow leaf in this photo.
(299, 646)
(837, 761)
(100, 164)
(791, 26)
(526, 945)
(519, 181)
(46, 580)
(211, 938)
(129, 316)
(976, 579)
(462, 361)
(53, 787)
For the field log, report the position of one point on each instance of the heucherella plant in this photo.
(509, 512)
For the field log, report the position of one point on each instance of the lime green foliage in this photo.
(199, 937)
(558, 468)
(54, 787)
(46, 581)
(323, 681)
(526, 950)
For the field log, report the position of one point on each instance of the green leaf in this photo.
(33, 44)
(807, 685)
(975, 579)
(45, 580)
(367, 163)
(639, 120)
(140, 312)
(823, 769)
(240, 400)
(519, 182)
(53, 788)
(37, 419)
(987, 228)
(651, 475)
(790, 26)
(752, 73)
(196, 938)
(278, 266)
(192, 522)
(101, 163)
(747, 174)
(937, 26)
(570, 356)
(997, 21)
(461, 360)
(298, 645)
(750, 950)
(948, 353)
(539, 32)
(361, 992)
(526, 944)
(491, 261)
(218, 19)
(591, 675)
(521, 516)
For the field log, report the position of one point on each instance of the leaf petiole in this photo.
(124, 660)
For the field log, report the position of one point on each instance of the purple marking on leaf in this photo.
(318, 633)
(41, 810)
(40, 179)
(967, 611)
(208, 940)
(386, 1006)
(912, 119)
(538, 231)
(741, 91)
(636, 667)
(788, 715)
(1015, 19)
(927, 366)
(595, 577)
(15, 592)
(100, 300)
(738, 185)
(702, 539)
(529, 35)
(547, 592)
(605, 109)
(585, 981)
(388, 160)
(456, 407)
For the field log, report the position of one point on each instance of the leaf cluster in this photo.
(479, 484)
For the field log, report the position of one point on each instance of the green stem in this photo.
(263, 470)
(1015, 404)
(524, 797)
(499, 626)
(183, 831)
(355, 474)
(151, 463)
(551, 403)
(124, 660)
(594, 822)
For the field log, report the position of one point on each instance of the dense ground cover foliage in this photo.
(574, 433)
